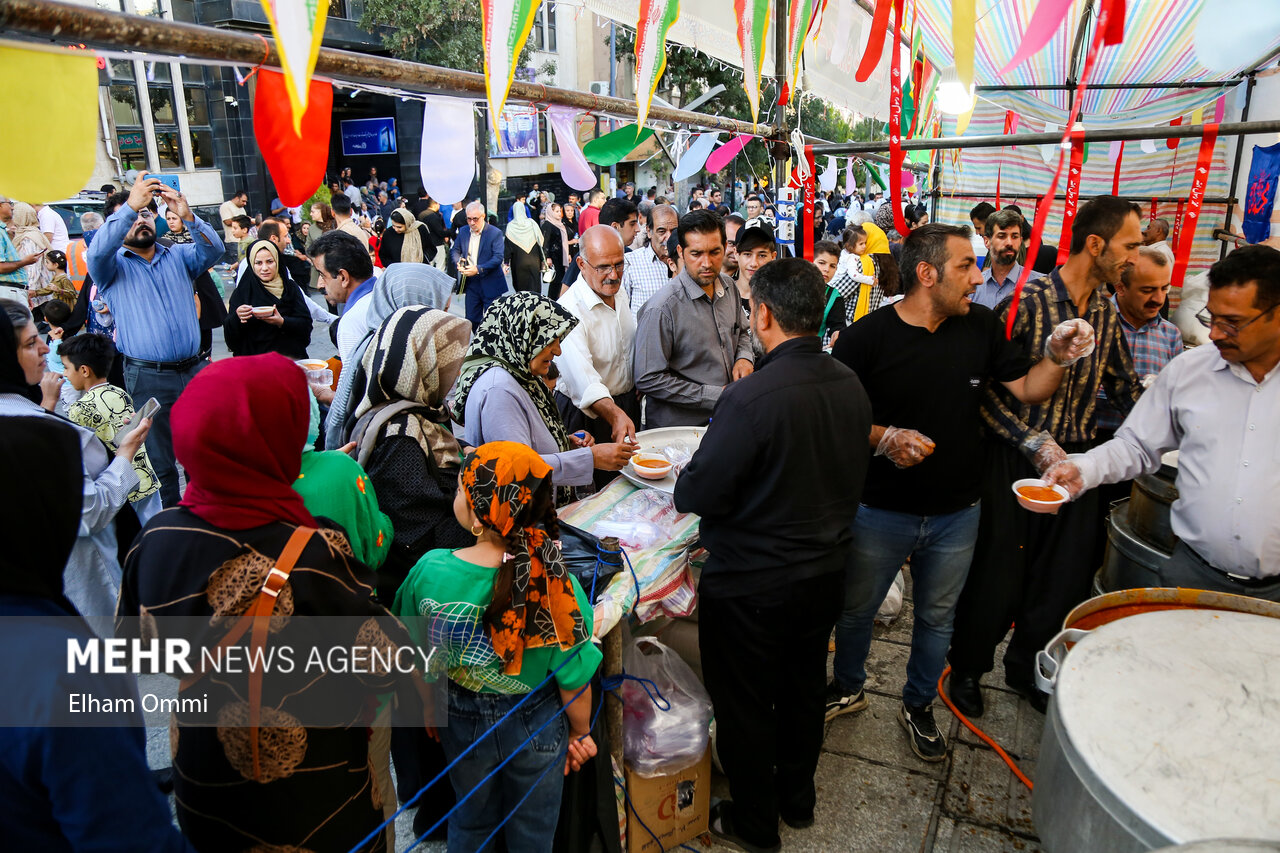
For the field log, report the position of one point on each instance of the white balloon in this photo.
(1229, 32)
(448, 160)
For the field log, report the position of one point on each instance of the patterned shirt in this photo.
(1069, 416)
(1152, 346)
(644, 275)
(103, 409)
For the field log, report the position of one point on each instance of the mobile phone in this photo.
(148, 410)
(170, 181)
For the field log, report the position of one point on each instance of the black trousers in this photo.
(764, 662)
(1028, 570)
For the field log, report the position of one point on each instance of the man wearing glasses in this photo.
(477, 253)
(149, 288)
(1218, 407)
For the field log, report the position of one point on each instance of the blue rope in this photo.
(639, 820)
(595, 573)
(627, 558)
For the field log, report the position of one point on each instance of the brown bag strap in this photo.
(258, 617)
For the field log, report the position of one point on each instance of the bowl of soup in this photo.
(1039, 496)
(651, 466)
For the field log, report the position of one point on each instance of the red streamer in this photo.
(1177, 225)
(1010, 127)
(1115, 179)
(810, 206)
(875, 41)
(1172, 143)
(1073, 195)
(1042, 211)
(895, 126)
(1194, 201)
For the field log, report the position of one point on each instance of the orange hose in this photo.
(980, 733)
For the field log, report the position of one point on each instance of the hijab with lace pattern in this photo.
(416, 356)
(499, 480)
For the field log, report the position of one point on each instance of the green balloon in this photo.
(612, 147)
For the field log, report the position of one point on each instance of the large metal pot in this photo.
(1150, 501)
(1157, 734)
(1129, 561)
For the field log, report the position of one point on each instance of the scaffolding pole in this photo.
(1120, 134)
(67, 23)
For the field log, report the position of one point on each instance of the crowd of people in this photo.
(864, 411)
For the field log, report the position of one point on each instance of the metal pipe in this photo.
(1061, 87)
(73, 23)
(1120, 134)
(1235, 167)
(780, 176)
(1161, 199)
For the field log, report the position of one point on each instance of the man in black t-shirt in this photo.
(924, 362)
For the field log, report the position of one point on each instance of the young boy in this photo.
(104, 408)
(56, 314)
(240, 227)
(826, 257)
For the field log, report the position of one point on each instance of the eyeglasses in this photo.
(146, 213)
(616, 269)
(1229, 329)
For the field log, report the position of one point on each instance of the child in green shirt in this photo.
(501, 616)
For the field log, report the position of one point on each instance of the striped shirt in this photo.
(643, 275)
(1070, 415)
(1152, 346)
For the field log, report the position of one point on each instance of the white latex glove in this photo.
(904, 447)
(1043, 452)
(1070, 341)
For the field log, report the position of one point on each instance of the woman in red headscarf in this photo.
(241, 556)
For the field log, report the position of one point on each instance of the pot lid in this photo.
(1173, 714)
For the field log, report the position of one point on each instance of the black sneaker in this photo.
(721, 826)
(926, 741)
(841, 701)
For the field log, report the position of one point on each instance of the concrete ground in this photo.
(875, 795)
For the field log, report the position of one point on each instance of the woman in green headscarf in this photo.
(333, 485)
(501, 395)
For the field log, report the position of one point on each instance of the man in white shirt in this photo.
(1003, 243)
(596, 391)
(53, 226)
(230, 209)
(647, 268)
(1218, 407)
(1156, 236)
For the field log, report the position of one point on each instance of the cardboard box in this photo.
(675, 807)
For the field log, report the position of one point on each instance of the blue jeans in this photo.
(143, 383)
(471, 715)
(940, 548)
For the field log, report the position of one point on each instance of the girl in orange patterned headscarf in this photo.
(501, 616)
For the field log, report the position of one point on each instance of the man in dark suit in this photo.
(477, 253)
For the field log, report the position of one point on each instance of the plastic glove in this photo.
(1070, 341)
(904, 447)
(1075, 474)
(1043, 451)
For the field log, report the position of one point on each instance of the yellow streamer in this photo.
(963, 38)
(61, 163)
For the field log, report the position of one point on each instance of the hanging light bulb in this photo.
(1066, 143)
(953, 98)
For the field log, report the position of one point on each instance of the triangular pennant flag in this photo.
(802, 24)
(298, 27)
(656, 17)
(505, 27)
(753, 31)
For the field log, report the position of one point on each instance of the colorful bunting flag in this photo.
(505, 27)
(447, 164)
(656, 17)
(803, 22)
(1045, 21)
(613, 146)
(725, 153)
(875, 41)
(574, 167)
(298, 28)
(58, 164)
(753, 32)
(963, 29)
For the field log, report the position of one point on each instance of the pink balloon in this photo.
(908, 179)
(574, 167)
(725, 153)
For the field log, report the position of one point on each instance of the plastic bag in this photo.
(668, 731)
(640, 521)
(892, 604)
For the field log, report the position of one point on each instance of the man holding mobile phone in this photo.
(149, 287)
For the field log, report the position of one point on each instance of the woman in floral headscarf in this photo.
(504, 616)
(501, 395)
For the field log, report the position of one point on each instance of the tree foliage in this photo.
(435, 32)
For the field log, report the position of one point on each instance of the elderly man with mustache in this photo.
(150, 291)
